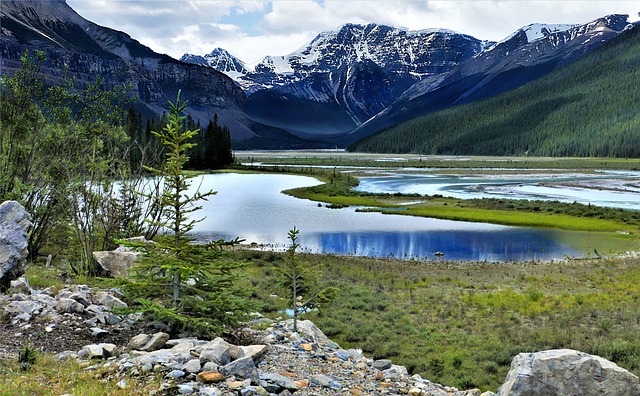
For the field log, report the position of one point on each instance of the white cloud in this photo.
(251, 29)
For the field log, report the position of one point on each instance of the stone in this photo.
(569, 373)
(92, 351)
(176, 374)
(255, 352)
(138, 341)
(148, 343)
(109, 301)
(14, 241)
(210, 366)
(185, 389)
(21, 285)
(82, 298)
(67, 305)
(243, 368)
(207, 377)
(216, 352)
(382, 364)
(98, 332)
(324, 381)
(24, 309)
(116, 263)
(275, 383)
(309, 329)
(193, 366)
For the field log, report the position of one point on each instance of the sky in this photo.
(253, 29)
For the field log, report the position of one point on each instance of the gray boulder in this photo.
(14, 240)
(148, 343)
(242, 368)
(67, 305)
(565, 372)
(117, 262)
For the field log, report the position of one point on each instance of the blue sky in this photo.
(252, 29)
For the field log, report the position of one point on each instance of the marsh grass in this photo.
(461, 324)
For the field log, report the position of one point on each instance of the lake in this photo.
(252, 207)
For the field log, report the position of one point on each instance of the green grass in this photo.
(522, 219)
(49, 377)
(461, 324)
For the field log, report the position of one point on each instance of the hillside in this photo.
(589, 108)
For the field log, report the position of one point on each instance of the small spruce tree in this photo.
(301, 279)
(191, 287)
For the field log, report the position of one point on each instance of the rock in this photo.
(309, 329)
(116, 263)
(256, 352)
(14, 240)
(569, 373)
(185, 389)
(21, 285)
(382, 364)
(243, 368)
(98, 332)
(276, 383)
(325, 381)
(175, 374)
(67, 305)
(148, 343)
(192, 366)
(109, 301)
(207, 377)
(82, 298)
(95, 351)
(23, 309)
(217, 351)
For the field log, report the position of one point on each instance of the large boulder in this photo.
(116, 262)
(14, 240)
(565, 372)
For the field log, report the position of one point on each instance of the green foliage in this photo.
(300, 281)
(27, 356)
(62, 147)
(585, 109)
(191, 287)
(54, 377)
(461, 324)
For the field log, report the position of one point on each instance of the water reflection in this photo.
(252, 207)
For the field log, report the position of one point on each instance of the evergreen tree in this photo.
(300, 279)
(188, 286)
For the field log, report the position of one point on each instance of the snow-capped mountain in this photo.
(343, 77)
(221, 60)
(525, 55)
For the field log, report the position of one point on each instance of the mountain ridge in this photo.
(586, 109)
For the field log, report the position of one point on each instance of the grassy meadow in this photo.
(461, 324)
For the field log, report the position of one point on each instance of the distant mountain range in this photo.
(589, 108)
(90, 50)
(360, 79)
(344, 85)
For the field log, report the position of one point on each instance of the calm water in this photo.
(252, 207)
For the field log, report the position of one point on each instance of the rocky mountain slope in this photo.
(90, 50)
(342, 77)
(529, 53)
(358, 80)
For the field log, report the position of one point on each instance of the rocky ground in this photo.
(78, 323)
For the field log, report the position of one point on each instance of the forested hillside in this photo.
(590, 108)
